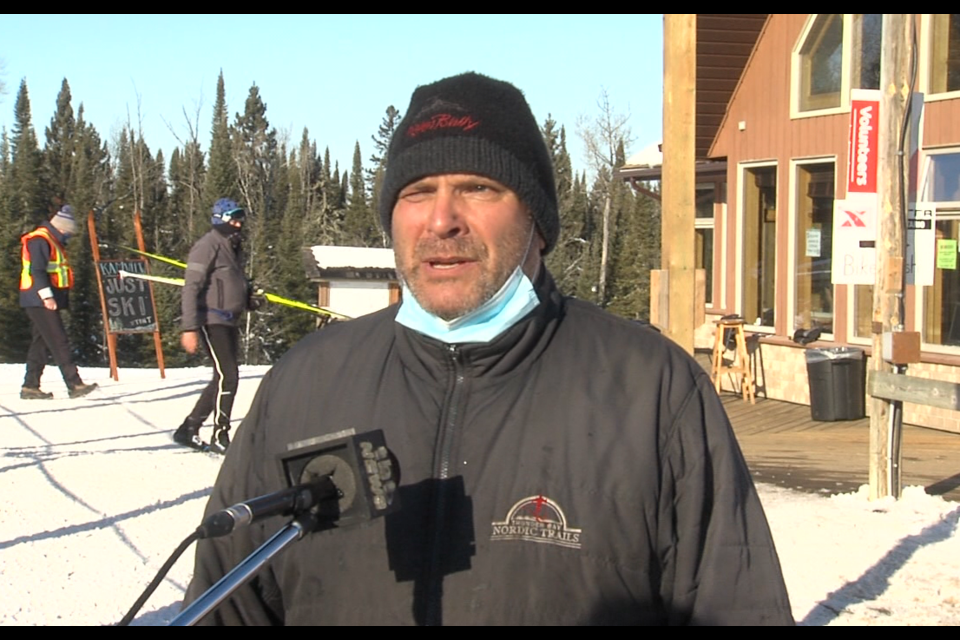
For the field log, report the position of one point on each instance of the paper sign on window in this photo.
(813, 243)
(946, 253)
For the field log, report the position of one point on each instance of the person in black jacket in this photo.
(45, 281)
(215, 294)
(558, 465)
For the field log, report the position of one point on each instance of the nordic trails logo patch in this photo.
(537, 519)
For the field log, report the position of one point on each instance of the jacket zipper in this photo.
(445, 438)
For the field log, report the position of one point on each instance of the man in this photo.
(45, 282)
(558, 465)
(215, 294)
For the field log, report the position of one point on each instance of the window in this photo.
(941, 178)
(814, 249)
(941, 301)
(821, 63)
(834, 53)
(867, 29)
(759, 244)
(945, 53)
(708, 194)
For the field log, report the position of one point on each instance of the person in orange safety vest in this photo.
(45, 281)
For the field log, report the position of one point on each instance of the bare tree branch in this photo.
(602, 137)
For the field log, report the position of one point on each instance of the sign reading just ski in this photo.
(128, 301)
(855, 218)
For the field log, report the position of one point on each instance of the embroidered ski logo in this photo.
(537, 519)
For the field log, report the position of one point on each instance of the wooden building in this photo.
(353, 281)
(772, 127)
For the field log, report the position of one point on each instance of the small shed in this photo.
(353, 281)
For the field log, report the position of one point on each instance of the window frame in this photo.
(945, 210)
(851, 23)
(926, 61)
(796, 165)
(744, 169)
(710, 222)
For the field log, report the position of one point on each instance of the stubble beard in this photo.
(469, 295)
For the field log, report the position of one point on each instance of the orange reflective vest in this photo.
(61, 275)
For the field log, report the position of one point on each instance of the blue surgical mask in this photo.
(515, 299)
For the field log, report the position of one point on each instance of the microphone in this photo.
(364, 472)
(341, 478)
(285, 502)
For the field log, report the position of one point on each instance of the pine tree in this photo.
(258, 157)
(11, 317)
(221, 176)
(142, 189)
(337, 192)
(187, 194)
(4, 156)
(628, 290)
(360, 225)
(378, 164)
(307, 193)
(564, 262)
(175, 242)
(88, 191)
(25, 207)
(26, 196)
(327, 186)
(289, 325)
(58, 154)
(589, 269)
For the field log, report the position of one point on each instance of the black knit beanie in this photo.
(473, 124)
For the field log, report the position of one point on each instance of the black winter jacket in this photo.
(215, 289)
(580, 469)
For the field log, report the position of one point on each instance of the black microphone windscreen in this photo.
(364, 472)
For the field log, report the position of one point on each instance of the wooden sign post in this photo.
(127, 304)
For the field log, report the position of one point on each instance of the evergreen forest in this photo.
(294, 198)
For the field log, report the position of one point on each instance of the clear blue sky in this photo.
(334, 75)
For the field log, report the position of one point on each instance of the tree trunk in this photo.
(604, 249)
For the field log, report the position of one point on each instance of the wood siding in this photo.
(762, 104)
(941, 123)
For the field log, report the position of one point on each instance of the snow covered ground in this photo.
(96, 497)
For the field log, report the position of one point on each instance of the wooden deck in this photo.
(783, 445)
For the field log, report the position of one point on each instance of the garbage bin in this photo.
(837, 378)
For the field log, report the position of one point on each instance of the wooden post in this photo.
(888, 290)
(679, 119)
(660, 299)
(111, 338)
(153, 301)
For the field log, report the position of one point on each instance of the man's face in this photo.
(457, 238)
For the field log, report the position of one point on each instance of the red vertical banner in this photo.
(855, 216)
(862, 156)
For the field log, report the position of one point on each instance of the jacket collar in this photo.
(57, 235)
